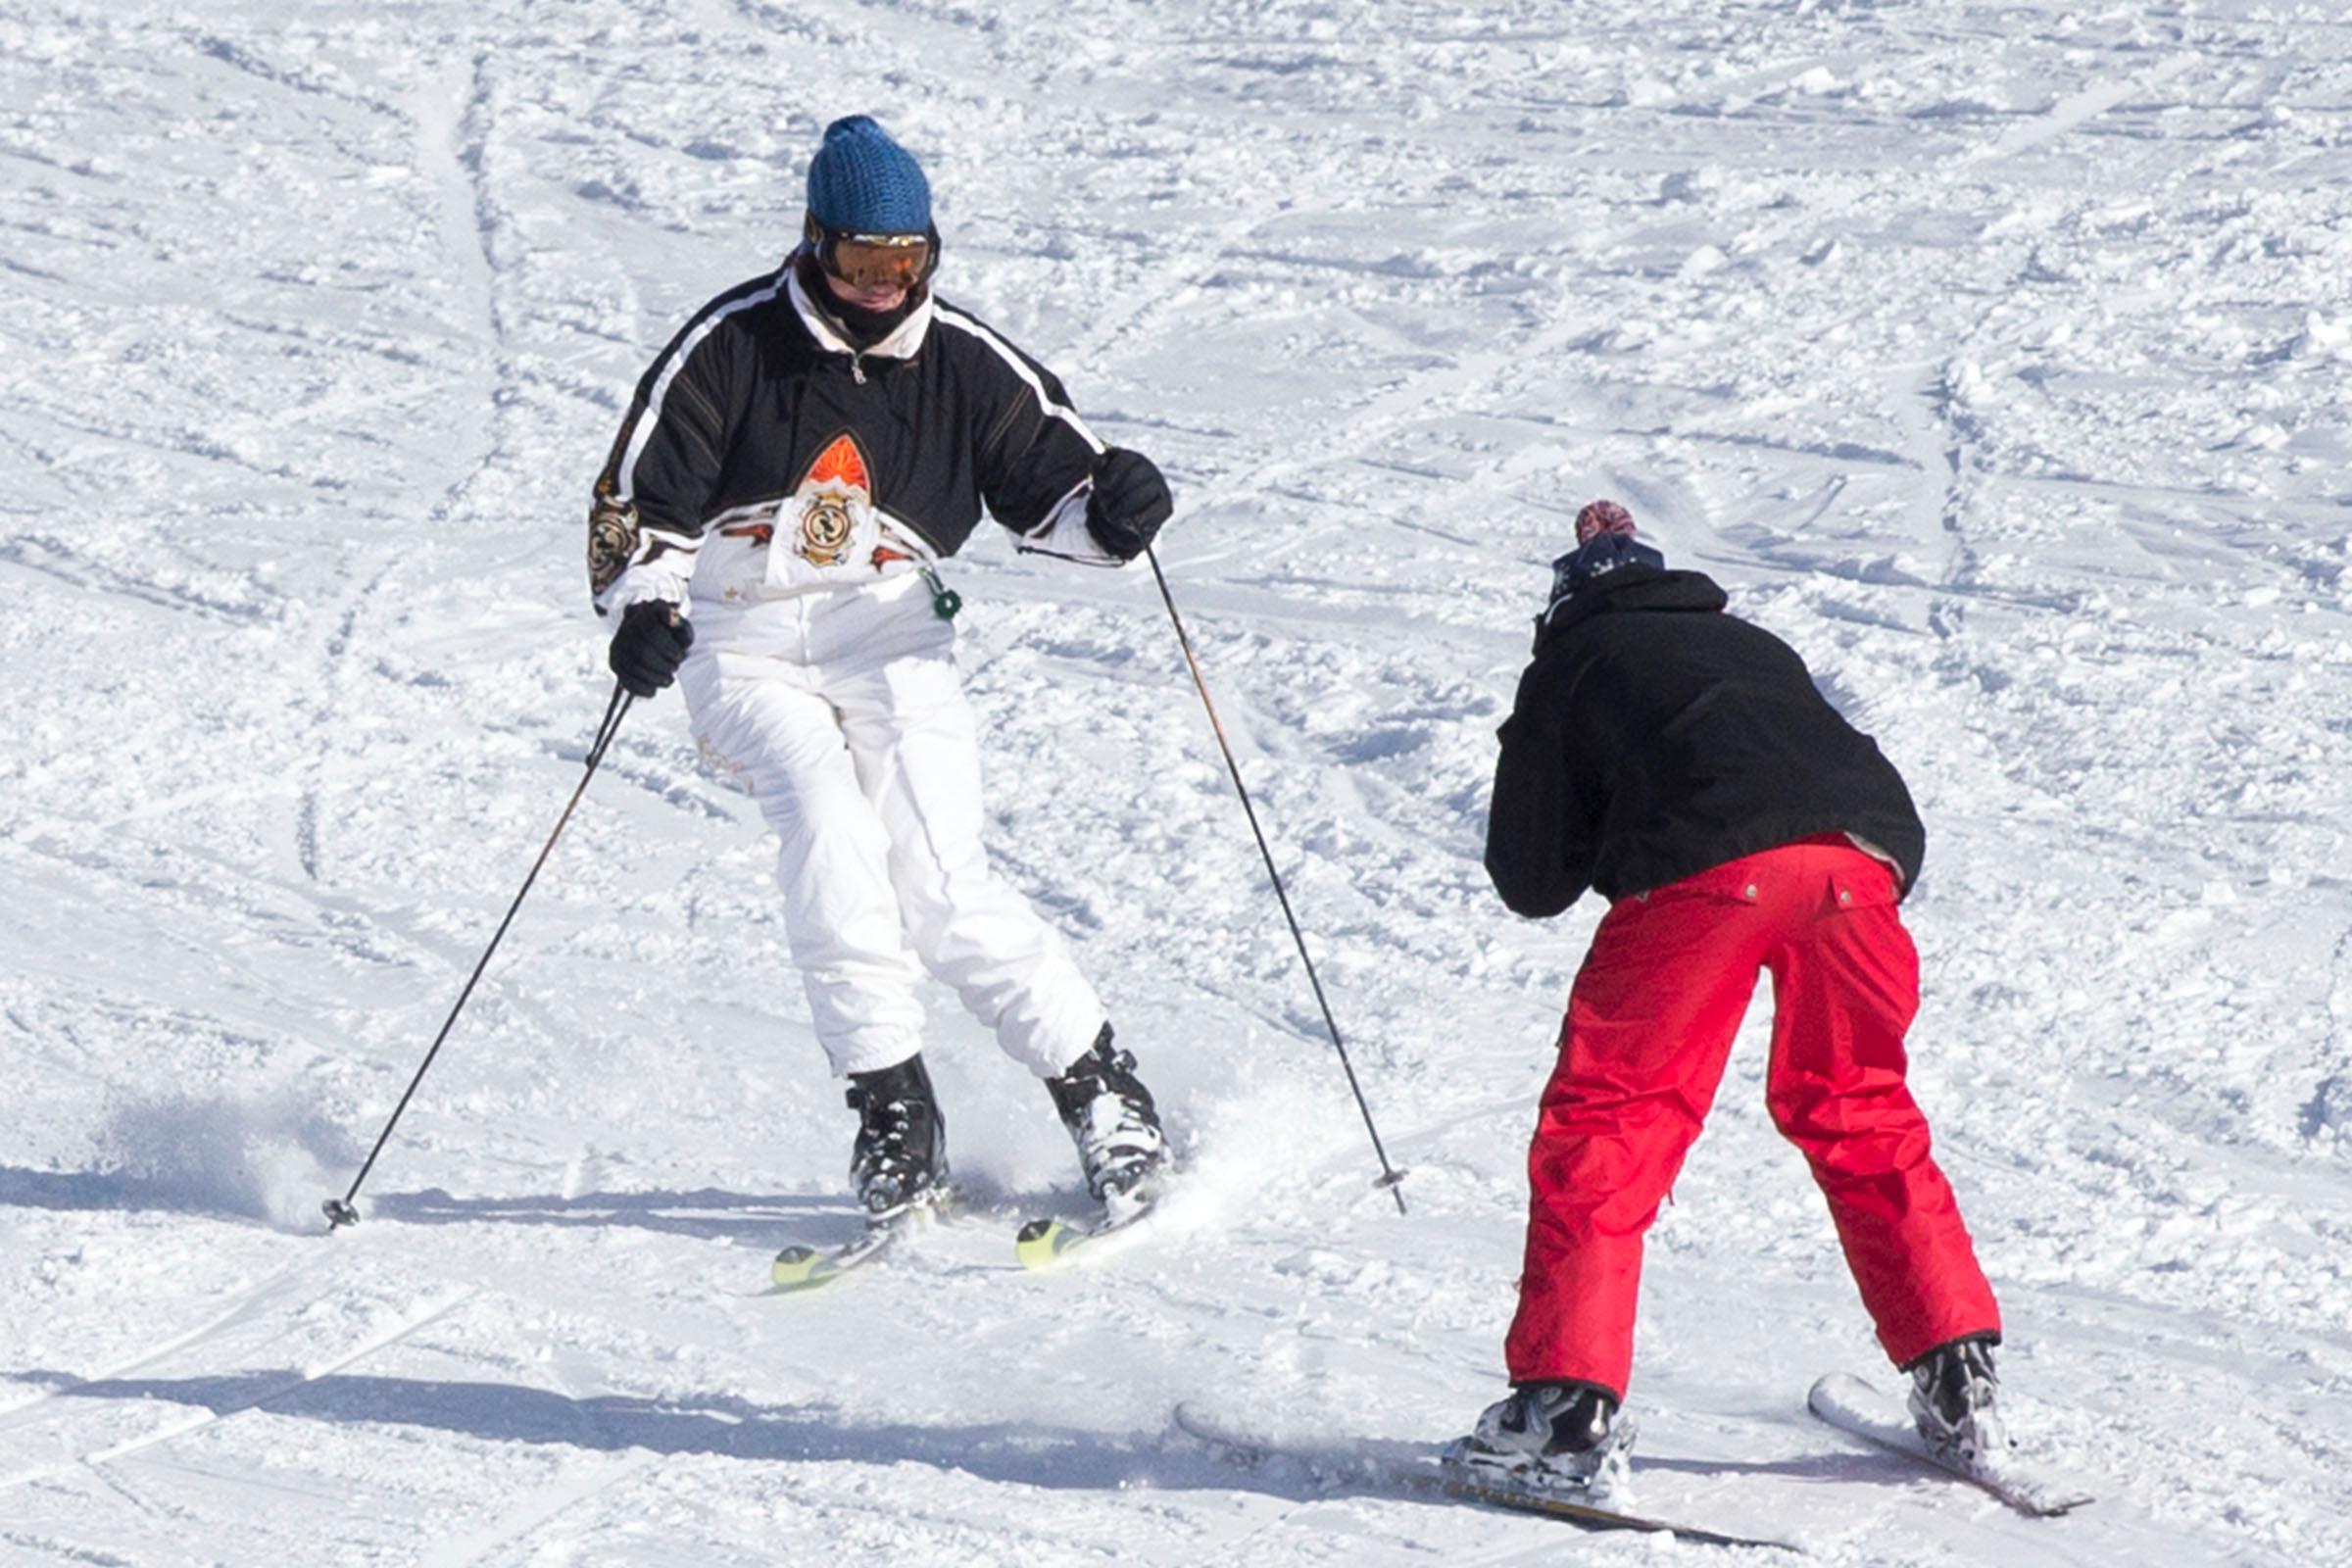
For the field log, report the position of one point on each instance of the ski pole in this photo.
(339, 1211)
(1389, 1176)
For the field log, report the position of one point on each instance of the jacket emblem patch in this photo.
(612, 539)
(836, 483)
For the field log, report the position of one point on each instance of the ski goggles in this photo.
(876, 261)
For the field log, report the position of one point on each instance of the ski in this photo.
(1853, 1407)
(1044, 1245)
(1051, 1244)
(805, 1268)
(1424, 1474)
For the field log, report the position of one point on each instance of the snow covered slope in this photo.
(1996, 352)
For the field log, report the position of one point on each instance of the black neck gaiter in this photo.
(863, 328)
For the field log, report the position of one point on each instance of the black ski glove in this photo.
(649, 646)
(1129, 502)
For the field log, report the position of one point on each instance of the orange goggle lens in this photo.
(876, 261)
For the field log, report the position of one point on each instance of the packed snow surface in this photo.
(1998, 354)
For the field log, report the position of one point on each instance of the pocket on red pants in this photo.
(1732, 882)
(1865, 884)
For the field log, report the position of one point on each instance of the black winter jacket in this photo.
(1655, 736)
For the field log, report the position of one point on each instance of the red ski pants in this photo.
(1649, 1027)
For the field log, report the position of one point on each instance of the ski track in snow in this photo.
(1998, 356)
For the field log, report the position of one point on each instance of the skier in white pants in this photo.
(767, 526)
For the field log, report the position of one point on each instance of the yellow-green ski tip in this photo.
(795, 1268)
(1041, 1241)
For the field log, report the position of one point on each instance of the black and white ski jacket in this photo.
(764, 454)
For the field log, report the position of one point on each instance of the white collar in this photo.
(904, 339)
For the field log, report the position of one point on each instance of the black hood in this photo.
(1632, 587)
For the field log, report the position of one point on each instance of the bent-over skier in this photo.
(766, 530)
(1680, 761)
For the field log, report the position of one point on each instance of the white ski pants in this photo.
(842, 711)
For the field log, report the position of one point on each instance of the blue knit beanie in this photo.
(861, 182)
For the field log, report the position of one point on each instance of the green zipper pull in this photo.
(945, 601)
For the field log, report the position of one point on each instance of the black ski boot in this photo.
(1556, 1436)
(901, 1158)
(1111, 1120)
(1955, 1399)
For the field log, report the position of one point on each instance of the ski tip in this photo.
(1835, 1392)
(1229, 1442)
(1042, 1242)
(795, 1268)
(2059, 1508)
